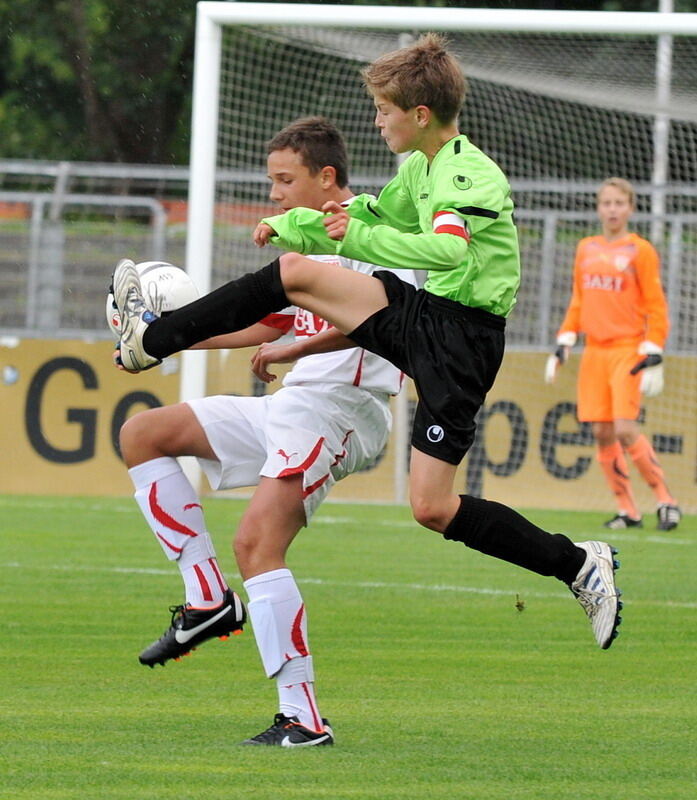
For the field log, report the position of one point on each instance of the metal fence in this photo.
(64, 226)
(54, 266)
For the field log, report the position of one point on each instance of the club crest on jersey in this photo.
(462, 182)
(621, 262)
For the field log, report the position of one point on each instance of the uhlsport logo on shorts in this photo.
(435, 433)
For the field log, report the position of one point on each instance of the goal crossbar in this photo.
(474, 19)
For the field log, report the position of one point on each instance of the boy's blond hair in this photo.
(619, 183)
(422, 74)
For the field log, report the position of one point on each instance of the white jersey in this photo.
(356, 366)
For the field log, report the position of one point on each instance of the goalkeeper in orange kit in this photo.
(618, 303)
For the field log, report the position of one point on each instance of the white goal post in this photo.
(212, 16)
(616, 67)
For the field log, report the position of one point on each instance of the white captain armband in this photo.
(449, 222)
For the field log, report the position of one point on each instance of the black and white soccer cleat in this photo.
(192, 626)
(289, 732)
(621, 521)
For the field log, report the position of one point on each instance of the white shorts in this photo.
(324, 431)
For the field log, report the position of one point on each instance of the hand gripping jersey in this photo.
(617, 295)
(356, 366)
(453, 218)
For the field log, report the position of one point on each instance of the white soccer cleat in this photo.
(595, 590)
(164, 287)
(135, 317)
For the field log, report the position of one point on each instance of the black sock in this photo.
(233, 306)
(499, 531)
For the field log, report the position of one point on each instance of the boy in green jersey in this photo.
(448, 211)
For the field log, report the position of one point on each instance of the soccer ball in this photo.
(165, 288)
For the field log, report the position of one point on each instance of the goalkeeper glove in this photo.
(565, 341)
(651, 368)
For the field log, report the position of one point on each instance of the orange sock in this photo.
(614, 465)
(646, 461)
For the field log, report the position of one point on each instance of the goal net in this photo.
(561, 100)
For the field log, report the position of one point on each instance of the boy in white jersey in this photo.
(331, 418)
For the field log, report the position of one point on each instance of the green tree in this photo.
(108, 80)
(96, 79)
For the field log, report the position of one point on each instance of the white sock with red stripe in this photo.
(173, 511)
(277, 613)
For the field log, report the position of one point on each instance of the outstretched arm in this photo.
(326, 342)
(248, 337)
(306, 231)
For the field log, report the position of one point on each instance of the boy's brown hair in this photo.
(422, 74)
(619, 183)
(318, 143)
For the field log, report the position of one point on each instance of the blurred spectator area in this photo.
(63, 227)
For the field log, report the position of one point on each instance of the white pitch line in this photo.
(411, 587)
(638, 539)
(129, 508)
(406, 523)
(473, 590)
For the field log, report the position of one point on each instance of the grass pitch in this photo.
(445, 674)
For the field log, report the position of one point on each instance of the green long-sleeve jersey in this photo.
(452, 217)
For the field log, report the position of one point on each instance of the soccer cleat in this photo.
(135, 317)
(668, 517)
(595, 590)
(288, 732)
(192, 626)
(621, 521)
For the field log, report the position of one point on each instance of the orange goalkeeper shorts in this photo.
(606, 391)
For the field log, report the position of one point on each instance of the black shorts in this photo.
(452, 352)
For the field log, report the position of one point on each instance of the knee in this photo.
(294, 273)
(430, 514)
(248, 541)
(133, 437)
(243, 548)
(150, 434)
(165, 431)
(604, 434)
(626, 440)
(627, 435)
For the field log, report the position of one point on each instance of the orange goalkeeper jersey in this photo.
(617, 295)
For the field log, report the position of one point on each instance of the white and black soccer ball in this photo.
(165, 288)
